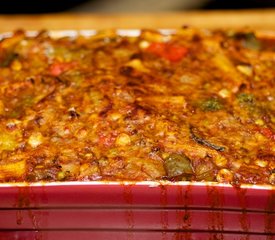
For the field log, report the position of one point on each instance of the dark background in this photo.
(241, 4)
(48, 6)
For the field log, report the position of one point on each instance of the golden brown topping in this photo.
(195, 105)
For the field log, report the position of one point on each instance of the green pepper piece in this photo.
(8, 59)
(177, 165)
(246, 98)
(251, 42)
(211, 104)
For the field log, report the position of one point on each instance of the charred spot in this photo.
(133, 132)
(242, 87)
(140, 111)
(8, 59)
(139, 91)
(73, 114)
(168, 72)
(243, 35)
(103, 81)
(132, 83)
(266, 156)
(30, 177)
(126, 70)
(31, 80)
(106, 109)
(196, 38)
(38, 120)
(239, 35)
(59, 79)
(185, 26)
(136, 56)
(155, 149)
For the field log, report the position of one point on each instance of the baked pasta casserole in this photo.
(188, 105)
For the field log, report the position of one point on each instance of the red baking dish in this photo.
(135, 210)
(143, 210)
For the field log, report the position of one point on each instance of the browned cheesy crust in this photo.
(195, 105)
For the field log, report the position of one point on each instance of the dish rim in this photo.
(150, 184)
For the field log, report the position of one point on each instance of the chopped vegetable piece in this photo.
(251, 42)
(7, 141)
(245, 69)
(259, 122)
(12, 169)
(123, 139)
(224, 93)
(59, 67)
(225, 176)
(16, 65)
(178, 165)
(205, 172)
(136, 64)
(144, 44)
(204, 142)
(35, 139)
(170, 51)
(61, 176)
(245, 98)
(211, 105)
(267, 132)
(8, 59)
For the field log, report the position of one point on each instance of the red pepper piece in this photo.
(170, 51)
(108, 140)
(58, 68)
(156, 48)
(267, 132)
